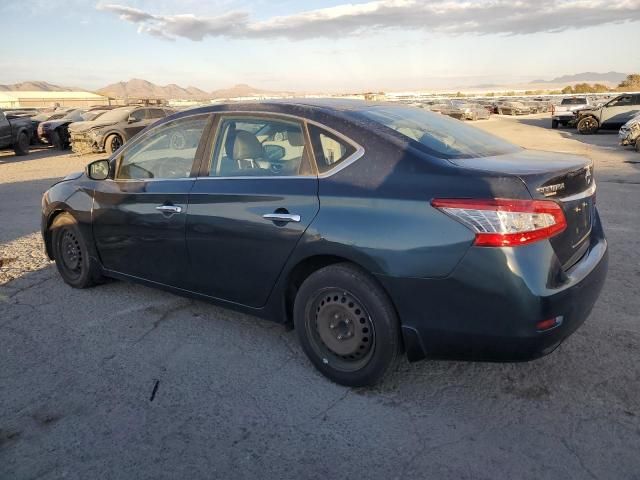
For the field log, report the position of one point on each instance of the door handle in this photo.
(282, 217)
(169, 208)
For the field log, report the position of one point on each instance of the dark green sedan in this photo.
(373, 229)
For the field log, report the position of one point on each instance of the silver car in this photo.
(465, 111)
(629, 133)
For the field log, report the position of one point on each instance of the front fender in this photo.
(74, 198)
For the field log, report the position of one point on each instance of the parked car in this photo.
(513, 108)
(15, 133)
(565, 113)
(465, 111)
(629, 133)
(370, 227)
(609, 116)
(56, 132)
(44, 116)
(111, 130)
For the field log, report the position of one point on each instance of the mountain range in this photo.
(138, 88)
(609, 77)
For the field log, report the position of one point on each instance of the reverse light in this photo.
(504, 222)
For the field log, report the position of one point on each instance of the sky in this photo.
(313, 45)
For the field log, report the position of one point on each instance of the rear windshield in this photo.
(573, 101)
(439, 135)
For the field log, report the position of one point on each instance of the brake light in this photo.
(504, 222)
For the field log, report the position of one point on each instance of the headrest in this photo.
(296, 139)
(246, 146)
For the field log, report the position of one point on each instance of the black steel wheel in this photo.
(71, 254)
(341, 329)
(347, 325)
(112, 143)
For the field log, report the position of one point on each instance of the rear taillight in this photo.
(503, 222)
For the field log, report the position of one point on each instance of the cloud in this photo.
(512, 17)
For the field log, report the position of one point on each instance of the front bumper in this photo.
(85, 143)
(628, 136)
(568, 118)
(488, 307)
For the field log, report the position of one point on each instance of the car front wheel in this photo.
(638, 144)
(112, 143)
(21, 147)
(587, 126)
(347, 326)
(71, 254)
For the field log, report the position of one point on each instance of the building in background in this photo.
(79, 99)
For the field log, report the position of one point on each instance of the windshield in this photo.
(73, 115)
(116, 115)
(92, 115)
(440, 135)
(574, 101)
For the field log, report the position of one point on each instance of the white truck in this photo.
(565, 113)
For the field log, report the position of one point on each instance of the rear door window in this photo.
(259, 147)
(156, 113)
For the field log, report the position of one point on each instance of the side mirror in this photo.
(98, 170)
(131, 119)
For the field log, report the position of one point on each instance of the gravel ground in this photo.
(122, 381)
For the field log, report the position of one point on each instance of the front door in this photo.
(258, 195)
(138, 121)
(139, 216)
(619, 111)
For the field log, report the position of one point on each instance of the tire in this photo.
(587, 126)
(638, 144)
(56, 141)
(21, 147)
(347, 325)
(71, 254)
(474, 117)
(554, 123)
(112, 143)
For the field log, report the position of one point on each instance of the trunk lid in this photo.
(566, 179)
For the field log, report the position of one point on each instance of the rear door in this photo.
(5, 131)
(255, 197)
(139, 216)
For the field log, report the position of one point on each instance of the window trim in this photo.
(197, 159)
(211, 143)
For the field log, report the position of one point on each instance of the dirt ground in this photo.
(122, 381)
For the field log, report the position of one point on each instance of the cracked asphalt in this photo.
(122, 381)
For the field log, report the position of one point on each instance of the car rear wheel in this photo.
(587, 126)
(554, 123)
(21, 146)
(71, 254)
(346, 325)
(112, 143)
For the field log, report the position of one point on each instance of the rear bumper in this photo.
(488, 308)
